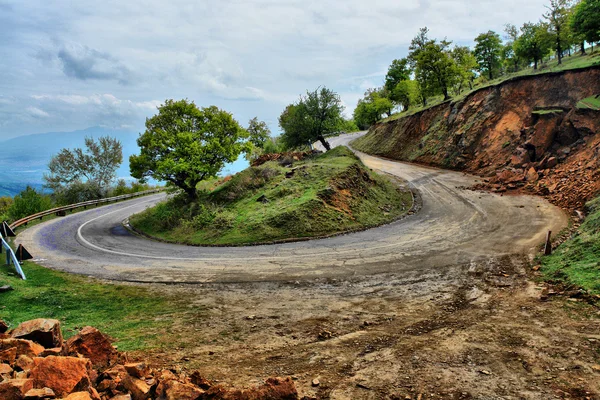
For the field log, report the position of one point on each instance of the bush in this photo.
(29, 202)
(5, 203)
(78, 192)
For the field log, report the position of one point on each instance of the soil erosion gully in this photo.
(455, 226)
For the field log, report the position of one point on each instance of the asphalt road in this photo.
(455, 226)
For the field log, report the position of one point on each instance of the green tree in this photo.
(97, 164)
(315, 116)
(259, 132)
(5, 203)
(28, 202)
(372, 107)
(467, 64)
(534, 43)
(435, 70)
(509, 53)
(398, 71)
(585, 21)
(184, 145)
(558, 22)
(488, 49)
(407, 94)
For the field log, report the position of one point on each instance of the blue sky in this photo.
(68, 65)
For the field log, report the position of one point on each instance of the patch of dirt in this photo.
(477, 331)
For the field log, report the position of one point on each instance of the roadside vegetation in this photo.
(321, 195)
(135, 316)
(437, 70)
(577, 261)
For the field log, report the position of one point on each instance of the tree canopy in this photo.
(372, 107)
(534, 43)
(184, 144)
(488, 49)
(586, 20)
(97, 164)
(311, 118)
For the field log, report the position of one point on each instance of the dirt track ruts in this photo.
(454, 226)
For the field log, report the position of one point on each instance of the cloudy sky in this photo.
(68, 65)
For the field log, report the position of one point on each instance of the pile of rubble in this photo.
(568, 179)
(36, 363)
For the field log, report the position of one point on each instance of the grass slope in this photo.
(577, 261)
(136, 317)
(327, 194)
(592, 102)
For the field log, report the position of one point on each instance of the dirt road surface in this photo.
(440, 305)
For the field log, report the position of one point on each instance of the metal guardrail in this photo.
(11, 256)
(58, 210)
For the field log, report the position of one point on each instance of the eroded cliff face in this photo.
(519, 134)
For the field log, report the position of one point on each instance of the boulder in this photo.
(64, 375)
(15, 389)
(27, 347)
(138, 388)
(137, 370)
(38, 394)
(92, 344)
(175, 390)
(552, 162)
(121, 397)
(43, 331)
(5, 369)
(24, 363)
(8, 356)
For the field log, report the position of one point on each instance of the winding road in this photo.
(455, 226)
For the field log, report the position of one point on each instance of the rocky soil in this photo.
(36, 363)
(524, 135)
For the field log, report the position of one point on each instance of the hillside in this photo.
(537, 134)
(281, 200)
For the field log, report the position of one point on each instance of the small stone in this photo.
(316, 382)
(44, 393)
(137, 370)
(485, 372)
(5, 369)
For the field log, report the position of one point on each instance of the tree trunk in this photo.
(446, 96)
(582, 48)
(191, 193)
(491, 74)
(324, 143)
(535, 63)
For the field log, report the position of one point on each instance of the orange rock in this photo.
(5, 369)
(78, 396)
(27, 347)
(175, 390)
(137, 370)
(43, 331)
(37, 394)
(532, 175)
(138, 388)
(15, 389)
(24, 363)
(9, 355)
(198, 380)
(91, 343)
(64, 375)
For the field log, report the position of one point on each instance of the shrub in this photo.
(28, 202)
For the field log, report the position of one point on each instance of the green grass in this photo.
(327, 194)
(577, 261)
(592, 102)
(136, 317)
(576, 61)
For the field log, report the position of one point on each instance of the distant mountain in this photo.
(24, 159)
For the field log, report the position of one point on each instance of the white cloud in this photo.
(249, 57)
(36, 112)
